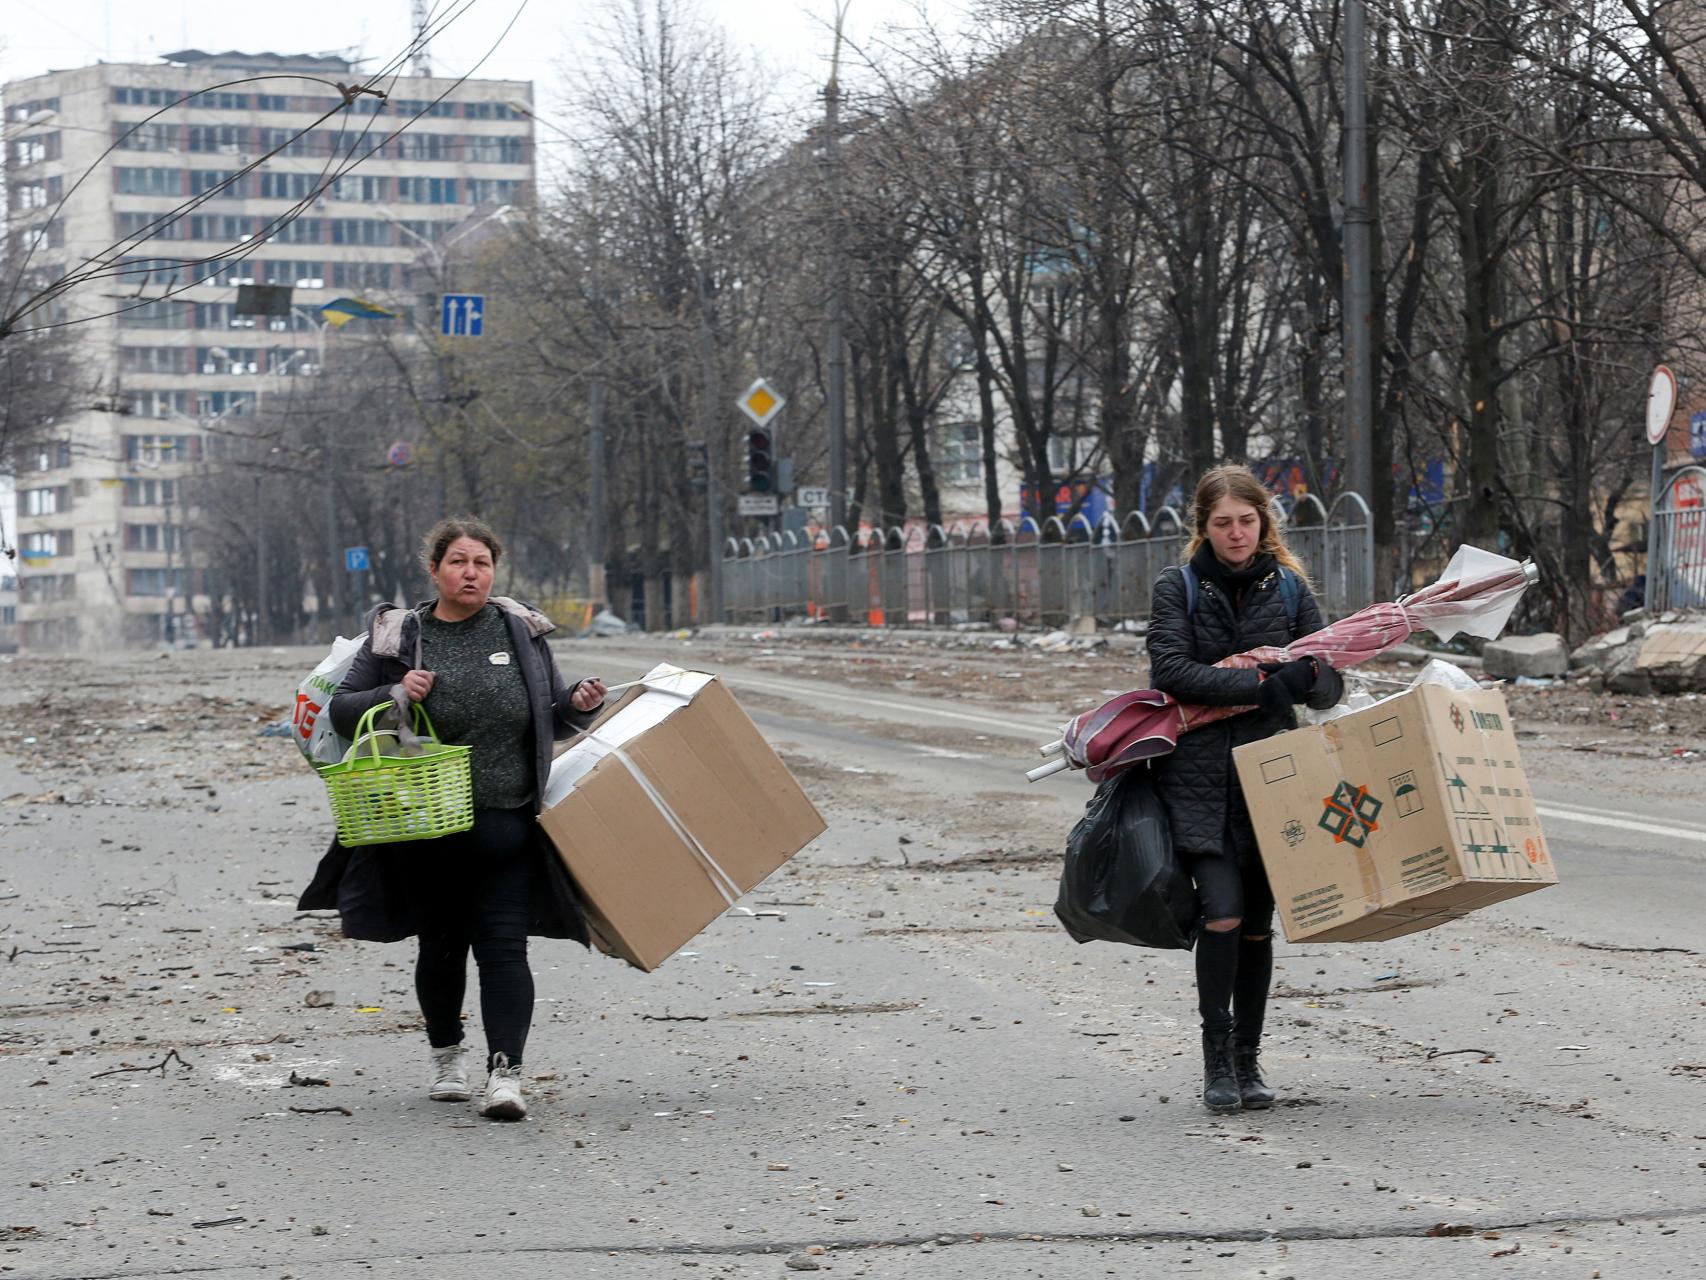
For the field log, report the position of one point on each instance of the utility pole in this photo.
(838, 285)
(710, 406)
(596, 551)
(1359, 291)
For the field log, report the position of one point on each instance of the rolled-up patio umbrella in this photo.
(1475, 595)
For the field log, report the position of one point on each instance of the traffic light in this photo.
(760, 463)
(698, 470)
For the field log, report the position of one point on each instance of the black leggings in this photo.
(474, 892)
(1235, 967)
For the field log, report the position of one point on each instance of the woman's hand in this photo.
(417, 684)
(588, 695)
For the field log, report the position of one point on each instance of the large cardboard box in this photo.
(1395, 818)
(670, 808)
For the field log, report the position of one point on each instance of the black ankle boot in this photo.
(1220, 1081)
(1253, 1091)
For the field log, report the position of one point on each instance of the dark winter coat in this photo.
(367, 886)
(1197, 782)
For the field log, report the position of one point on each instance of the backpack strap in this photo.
(1291, 592)
(1190, 576)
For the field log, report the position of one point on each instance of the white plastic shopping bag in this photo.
(309, 720)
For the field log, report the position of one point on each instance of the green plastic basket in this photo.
(381, 799)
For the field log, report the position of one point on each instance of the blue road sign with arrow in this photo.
(462, 315)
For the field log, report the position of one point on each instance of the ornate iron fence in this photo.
(1039, 575)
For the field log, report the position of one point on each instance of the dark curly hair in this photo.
(445, 532)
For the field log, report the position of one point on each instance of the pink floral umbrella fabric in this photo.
(1475, 595)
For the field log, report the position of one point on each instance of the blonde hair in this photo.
(1240, 484)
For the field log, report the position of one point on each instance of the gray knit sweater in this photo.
(479, 699)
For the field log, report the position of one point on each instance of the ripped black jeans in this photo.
(1235, 967)
(474, 894)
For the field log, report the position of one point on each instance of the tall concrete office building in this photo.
(107, 546)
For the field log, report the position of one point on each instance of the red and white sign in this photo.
(1661, 403)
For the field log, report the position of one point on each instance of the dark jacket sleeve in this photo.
(1173, 664)
(566, 721)
(363, 688)
(1329, 685)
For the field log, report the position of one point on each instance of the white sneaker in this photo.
(503, 1091)
(450, 1074)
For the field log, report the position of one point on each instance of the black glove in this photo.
(1296, 678)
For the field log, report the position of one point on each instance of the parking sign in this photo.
(355, 559)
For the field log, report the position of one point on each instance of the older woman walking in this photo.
(481, 666)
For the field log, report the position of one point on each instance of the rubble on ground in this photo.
(1663, 655)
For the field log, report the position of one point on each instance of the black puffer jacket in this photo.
(368, 885)
(1197, 782)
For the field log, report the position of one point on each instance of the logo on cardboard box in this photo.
(1293, 832)
(1350, 815)
(1406, 794)
(1488, 721)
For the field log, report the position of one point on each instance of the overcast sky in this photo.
(789, 36)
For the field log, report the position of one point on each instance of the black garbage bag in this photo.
(1122, 881)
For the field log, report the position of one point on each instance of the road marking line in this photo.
(1012, 727)
(1607, 819)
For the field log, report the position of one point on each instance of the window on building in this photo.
(291, 142)
(360, 231)
(288, 186)
(272, 102)
(426, 146)
(227, 228)
(154, 359)
(353, 187)
(47, 545)
(130, 223)
(152, 537)
(149, 492)
(431, 232)
(151, 449)
(47, 588)
(234, 360)
(218, 139)
(134, 97)
(157, 315)
(36, 148)
(47, 501)
(155, 582)
(223, 101)
(149, 182)
(21, 111)
(157, 402)
(221, 184)
(53, 456)
(233, 404)
(427, 190)
(959, 453)
(500, 150)
(489, 111)
(362, 275)
(300, 231)
(46, 235)
(493, 190)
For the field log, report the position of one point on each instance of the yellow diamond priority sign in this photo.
(761, 402)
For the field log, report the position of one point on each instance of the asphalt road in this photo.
(911, 1068)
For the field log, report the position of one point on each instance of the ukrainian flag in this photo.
(340, 311)
(35, 558)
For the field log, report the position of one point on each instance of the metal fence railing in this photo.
(1039, 575)
(1676, 548)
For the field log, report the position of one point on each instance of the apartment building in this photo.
(107, 547)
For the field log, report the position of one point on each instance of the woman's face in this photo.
(464, 575)
(1234, 531)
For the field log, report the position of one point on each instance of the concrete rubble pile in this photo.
(1662, 655)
